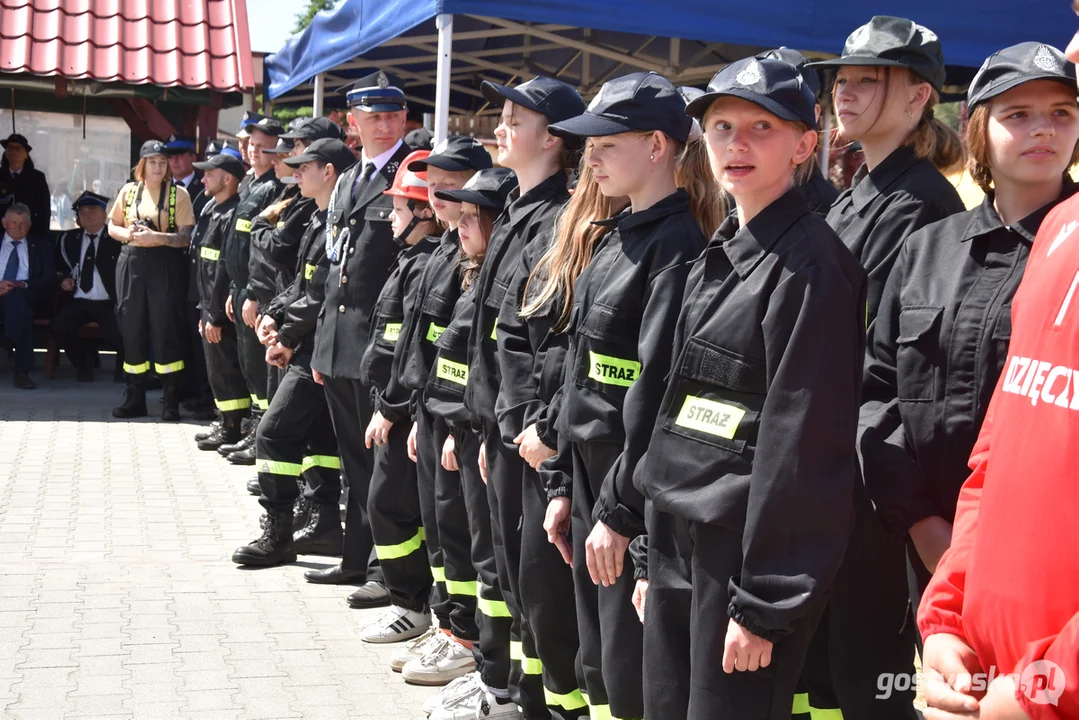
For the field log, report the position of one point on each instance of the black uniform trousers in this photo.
(151, 285)
(440, 493)
(609, 630)
(252, 355)
(294, 439)
(17, 309)
(197, 383)
(493, 619)
(350, 410)
(77, 312)
(393, 507)
(689, 570)
(547, 596)
(223, 369)
(274, 376)
(505, 468)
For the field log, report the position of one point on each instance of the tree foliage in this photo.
(311, 7)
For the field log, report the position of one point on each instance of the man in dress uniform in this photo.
(86, 260)
(362, 254)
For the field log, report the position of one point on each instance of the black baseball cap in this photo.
(798, 60)
(283, 147)
(179, 144)
(151, 148)
(774, 85)
(228, 163)
(488, 188)
(553, 99)
(268, 125)
(455, 154)
(18, 139)
(315, 129)
(420, 139)
(1016, 65)
(887, 41)
(90, 198)
(325, 150)
(641, 101)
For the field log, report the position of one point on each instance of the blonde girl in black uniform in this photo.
(625, 306)
(887, 83)
(750, 466)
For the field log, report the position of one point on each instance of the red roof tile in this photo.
(201, 44)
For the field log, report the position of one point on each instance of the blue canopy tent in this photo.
(585, 43)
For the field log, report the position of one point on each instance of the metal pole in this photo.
(320, 81)
(826, 149)
(444, 23)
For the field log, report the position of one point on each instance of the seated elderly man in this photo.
(86, 260)
(26, 264)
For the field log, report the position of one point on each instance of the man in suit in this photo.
(181, 153)
(362, 254)
(26, 283)
(86, 260)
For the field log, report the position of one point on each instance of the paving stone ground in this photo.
(117, 595)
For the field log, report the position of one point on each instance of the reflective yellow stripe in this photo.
(568, 701)
(393, 331)
(453, 371)
(243, 225)
(277, 467)
(438, 574)
(324, 461)
(492, 608)
(280, 224)
(170, 368)
(494, 332)
(137, 369)
(227, 405)
(400, 550)
(709, 416)
(209, 254)
(434, 332)
(818, 714)
(260, 403)
(309, 271)
(611, 370)
(801, 704)
(462, 587)
(598, 712)
(530, 666)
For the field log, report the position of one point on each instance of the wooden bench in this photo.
(89, 331)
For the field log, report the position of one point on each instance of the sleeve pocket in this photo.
(436, 306)
(497, 294)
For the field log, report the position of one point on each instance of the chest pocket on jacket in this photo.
(435, 307)
(718, 397)
(916, 351)
(389, 313)
(378, 212)
(607, 359)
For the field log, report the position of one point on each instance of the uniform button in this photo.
(341, 309)
(352, 222)
(382, 214)
(344, 280)
(352, 251)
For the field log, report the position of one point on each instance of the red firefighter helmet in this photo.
(409, 184)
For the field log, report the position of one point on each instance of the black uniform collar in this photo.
(234, 198)
(676, 202)
(747, 246)
(425, 242)
(984, 218)
(518, 204)
(450, 237)
(867, 185)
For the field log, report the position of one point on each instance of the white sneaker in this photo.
(475, 702)
(445, 660)
(395, 625)
(450, 691)
(415, 649)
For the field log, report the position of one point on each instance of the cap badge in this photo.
(859, 37)
(172, 138)
(264, 121)
(1044, 59)
(441, 147)
(750, 74)
(383, 81)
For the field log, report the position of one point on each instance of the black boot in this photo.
(322, 533)
(253, 486)
(301, 511)
(170, 401)
(134, 404)
(228, 431)
(275, 545)
(210, 430)
(248, 439)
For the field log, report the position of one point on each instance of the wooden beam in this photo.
(138, 126)
(61, 86)
(158, 123)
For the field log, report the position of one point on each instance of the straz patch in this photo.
(452, 371)
(392, 332)
(434, 332)
(709, 416)
(243, 225)
(309, 271)
(210, 254)
(611, 370)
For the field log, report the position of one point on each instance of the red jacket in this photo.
(1009, 584)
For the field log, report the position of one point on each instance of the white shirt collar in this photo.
(188, 180)
(379, 161)
(12, 242)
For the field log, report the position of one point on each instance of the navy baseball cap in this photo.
(1016, 65)
(774, 85)
(315, 129)
(488, 188)
(326, 150)
(887, 41)
(90, 198)
(228, 163)
(179, 144)
(798, 60)
(151, 148)
(455, 154)
(553, 99)
(377, 92)
(641, 101)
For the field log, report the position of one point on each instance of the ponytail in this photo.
(693, 174)
(934, 141)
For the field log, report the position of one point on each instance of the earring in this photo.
(653, 157)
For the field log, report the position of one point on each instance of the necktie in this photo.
(86, 272)
(11, 270)
(361, 181)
